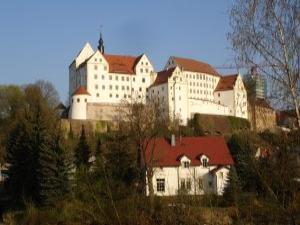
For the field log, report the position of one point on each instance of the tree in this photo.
(27, 142)
(266, 33)
(145, 123)
(82, 151)
(49, 92)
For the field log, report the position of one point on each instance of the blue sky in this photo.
(39, 39)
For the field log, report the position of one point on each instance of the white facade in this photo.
(190, 86)
(193, 180)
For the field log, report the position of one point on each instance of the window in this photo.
(85, 100)
(182, 183)
(110, 77)
(127, 78)
(123, 87)
(117, 96)
(204, 162)
(97, 94)
(218, 94)
(140, 89)
(117, 78)
(103, 87)
(141, 70)
(117, 87)
(200, 185)
(95, 76)
(78, 100)
(105, 67)
(102, 77)
(188, 184)
(147, 70)
(143, 80)
(110, 95)
(123, 79)
(134, 79)
(186, 164)
(95, 67)
(96, 86)
(110, 87)
(160, 185)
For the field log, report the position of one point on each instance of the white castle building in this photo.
(99, 82)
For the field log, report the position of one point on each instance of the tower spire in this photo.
(101, 44)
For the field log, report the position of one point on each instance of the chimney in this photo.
(173, 142)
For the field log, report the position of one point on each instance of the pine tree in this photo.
(82, 152)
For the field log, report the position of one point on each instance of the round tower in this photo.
(78, 107)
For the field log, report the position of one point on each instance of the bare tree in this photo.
(145, 123)
(49, 92)
(267, 33)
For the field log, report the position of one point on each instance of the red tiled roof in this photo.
(162, 77)
(81, 91)
(121, 64)
(195, 66)
(226, 82)
(214, 148)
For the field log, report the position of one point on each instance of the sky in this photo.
(39, 39)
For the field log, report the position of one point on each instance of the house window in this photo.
(160, 185)
(204, 162)
(188, 184)
(186, 164)
(182, 183)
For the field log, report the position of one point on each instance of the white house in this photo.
(190, 165)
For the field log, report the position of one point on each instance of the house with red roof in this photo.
(190, 165)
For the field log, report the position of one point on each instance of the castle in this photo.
(99, 82)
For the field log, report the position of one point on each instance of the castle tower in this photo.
(101, 44)
(79, 100)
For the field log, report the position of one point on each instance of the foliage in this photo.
(82, 151)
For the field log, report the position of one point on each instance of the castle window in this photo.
(147, 70)
(117, 96)
(123, 87)
(95, 67)
(103, 87)
(95, 76)
(143, 80)
(105, 68)
(117, 87)
(110, 87)
(96, 86)
(102, 77)
(147, 63)
(134, 79)
(110, 95)
(204, 162)
(141, 70)
(78, 99)
(85, 100)
(97, 95)
(125, 95)
(110, 77)
(117, 78)
(127, 88)
(95, 59)
(122, 78)
(140, 89)
(127, 78)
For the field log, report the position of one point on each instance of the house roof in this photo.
(195, 66)
(226, 83)
(214, 147)
(162, 76)
(122, 63)
(81, 91)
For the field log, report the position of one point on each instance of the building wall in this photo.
(202, 181)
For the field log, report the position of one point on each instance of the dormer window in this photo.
(204, 162)
(186, 164)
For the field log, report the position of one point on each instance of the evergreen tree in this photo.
(82, 152)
